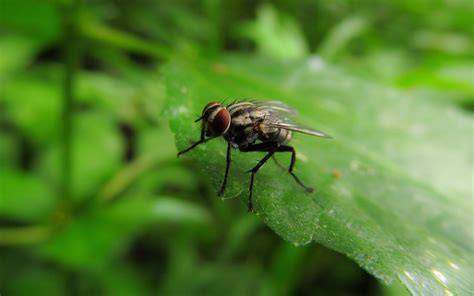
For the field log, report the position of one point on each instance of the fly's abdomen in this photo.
(278, 135)
(284, 136)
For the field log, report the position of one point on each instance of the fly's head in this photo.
(215, 119)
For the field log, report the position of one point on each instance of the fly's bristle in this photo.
(223, 102)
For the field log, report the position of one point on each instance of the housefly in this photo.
(252, 126)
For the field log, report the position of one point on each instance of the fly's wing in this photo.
(277, 108)
(297, 128)
(281, 118)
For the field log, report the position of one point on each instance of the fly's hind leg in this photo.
(284, 148)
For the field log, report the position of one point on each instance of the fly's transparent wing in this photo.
(297, 128)
(276, 108)
(281, 117)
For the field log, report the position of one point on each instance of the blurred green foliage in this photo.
(138, 221)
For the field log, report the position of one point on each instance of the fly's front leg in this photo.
(271, 148)
(201, 140)
(228, 160)
(285, 148)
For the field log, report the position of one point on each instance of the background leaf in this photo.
(393, 187)
(276, 35)
(97, 154)
(24, 197)
(94, 239)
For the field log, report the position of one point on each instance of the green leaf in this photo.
(448, 76)
(275, 34)
(123, 280)
(17, 52)
(160, 210)
(341, 34)
(393, 188)
(105, 92)
(97, 153)
(43, 281)
(8, 149)
(39, 19)
(100, 235)
(215, 279)
(33, 105)
(128, 99)
(23, 196)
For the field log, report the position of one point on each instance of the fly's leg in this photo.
(285, 148)
(201, 140)
(228, 160)
(271, 148)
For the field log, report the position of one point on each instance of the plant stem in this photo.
(71, 61)
(128, 174)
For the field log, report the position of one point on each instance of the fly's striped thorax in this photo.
(241, 132)
(246, 113)
(241, 110)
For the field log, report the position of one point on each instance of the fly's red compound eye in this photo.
(221, 122)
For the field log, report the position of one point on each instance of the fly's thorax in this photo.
(216, 119)
(242, 131)
(241, 136)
